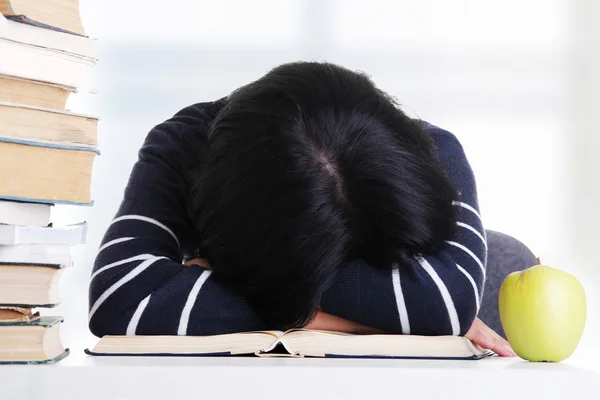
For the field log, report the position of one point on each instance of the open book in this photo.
(293, 343)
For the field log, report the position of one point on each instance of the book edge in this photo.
(79, 81)
(474, 357)
(29, 305)
(15, 231)
(56, 85)
(42, 201)
(23, 264)
(220, 354)
(476, 354)
(12, 202)
(50, 145)
(70, 227)
(228, 354)
(473, 349)
(72, 89)
(90, 62)
(24, 19)
(43, 362)
(47, 109)
(44, 321)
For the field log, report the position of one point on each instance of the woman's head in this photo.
(307, 167)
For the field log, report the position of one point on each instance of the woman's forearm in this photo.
(328, 322)
(436, 294)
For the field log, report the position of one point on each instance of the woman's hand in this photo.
(201, 262)
(485, 337)
(328, 322)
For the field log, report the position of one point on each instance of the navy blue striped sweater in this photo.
(140, 286)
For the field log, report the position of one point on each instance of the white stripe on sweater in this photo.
(140, 257)
(452, 314)
(400, 304)
(120, 240)
(146, 219)
(135, 319)
(468, 207)
(132, 274)
(189, 304)
(475, 231)
(470, 278)
(469, 252)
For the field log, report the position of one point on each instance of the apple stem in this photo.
(539, 261)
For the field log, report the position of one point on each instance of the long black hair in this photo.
(305, 168)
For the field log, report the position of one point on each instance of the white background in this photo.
(516, 81)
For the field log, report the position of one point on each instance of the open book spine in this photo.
(278, 349)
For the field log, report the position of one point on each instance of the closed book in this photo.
(35, 342)
(61, 14)
(44, 172)
(70, 235)
(46, 125)
(15, 31)
(17, 314)
(44, 254)
(42, 55)
(28, 286)
(23, 213)
(34, 93)
(293, 343)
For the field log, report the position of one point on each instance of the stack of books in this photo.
(46, 158)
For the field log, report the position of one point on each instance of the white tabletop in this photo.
(81, 377)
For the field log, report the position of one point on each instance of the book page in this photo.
(326, 343)
(276, 334)
(233, 343)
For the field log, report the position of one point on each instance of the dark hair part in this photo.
(307, 167)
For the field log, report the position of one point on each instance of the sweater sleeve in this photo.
(438, 294)
(139, 284)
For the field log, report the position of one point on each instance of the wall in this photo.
(513, 80)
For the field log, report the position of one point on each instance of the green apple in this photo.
(543, 311)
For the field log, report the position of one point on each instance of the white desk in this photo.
(81, 377)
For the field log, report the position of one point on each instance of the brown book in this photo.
(33, 93)
(23, 122)
(17, 314)
(28, 286)
(61, 14)
(37, 171)
(36, 342)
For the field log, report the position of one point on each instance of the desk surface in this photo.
(83, 377)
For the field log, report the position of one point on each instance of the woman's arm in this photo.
(435, 295)
(327, 322)
(139, 284)
(479, 332)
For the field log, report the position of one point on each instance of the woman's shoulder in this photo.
(186, 128)
(446, 142)
(194, 118)
(436, 131)
(204, 111)
(177, 142)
